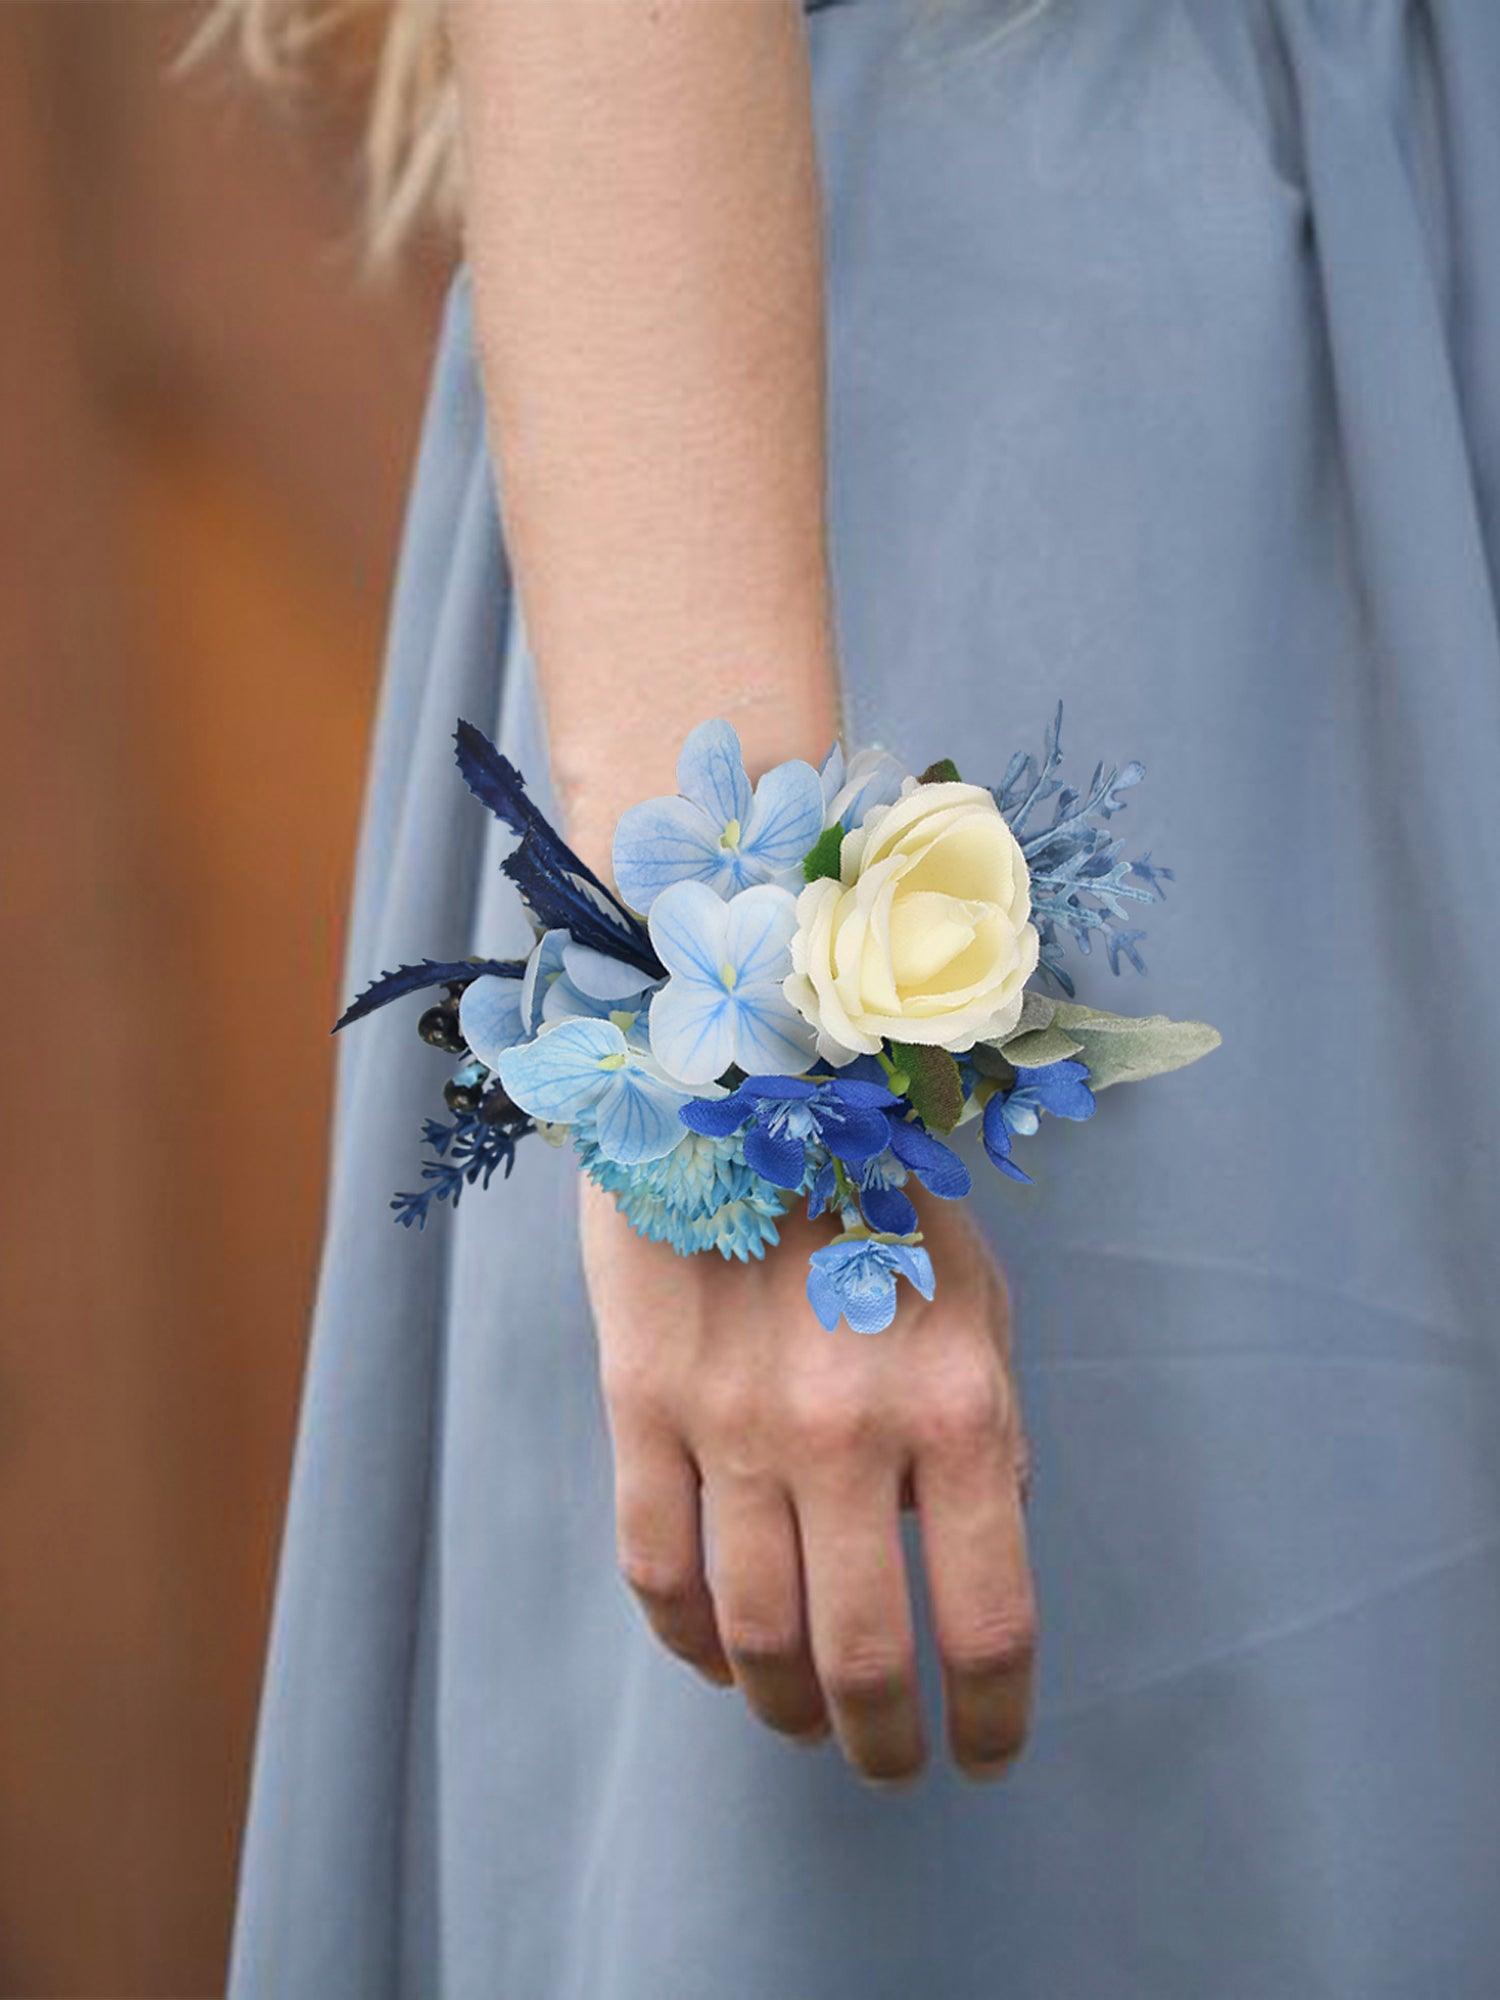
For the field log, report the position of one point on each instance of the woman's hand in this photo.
(803, 1446)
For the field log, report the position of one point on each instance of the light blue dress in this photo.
(1165, 353)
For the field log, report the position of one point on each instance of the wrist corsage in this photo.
(797, 992)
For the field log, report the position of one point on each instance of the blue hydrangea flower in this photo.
(1061, 1088)
(783, 1115)
(586, 1068)
(490, 1018)
(719, 832)
(562, 979)
(565, 980)
(856, 1276)
(722, 1003)
(869, 778)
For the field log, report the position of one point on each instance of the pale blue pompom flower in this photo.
(490, 1018)
(586, 1068)
(719, 831)
(723, 1002)
(856, 1277)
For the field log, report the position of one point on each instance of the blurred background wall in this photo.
(205, 430)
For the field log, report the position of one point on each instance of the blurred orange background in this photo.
(206, 425)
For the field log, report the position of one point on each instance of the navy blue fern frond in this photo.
(559, 889)
(1081, 886)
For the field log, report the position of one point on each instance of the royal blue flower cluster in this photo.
(798, 992)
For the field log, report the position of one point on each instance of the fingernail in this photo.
(722, 1677)
(906, 1783)
(809, 1739)
(986, 1774)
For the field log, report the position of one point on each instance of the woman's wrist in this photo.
(597, 780)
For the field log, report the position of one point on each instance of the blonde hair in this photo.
(397, 51)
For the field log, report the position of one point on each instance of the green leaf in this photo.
(1127, 1048)
(1039, 1048)
(934, 1086)
(943, 772)
(821, 862)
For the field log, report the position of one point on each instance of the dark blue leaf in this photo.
(560, 890)
(415, 978)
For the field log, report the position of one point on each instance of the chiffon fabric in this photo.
(1165, 379)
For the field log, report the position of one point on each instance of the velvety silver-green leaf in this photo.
(1038, 1010)
(1039, 1048)
(1126, 1048)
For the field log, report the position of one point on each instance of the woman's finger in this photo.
(755, 1577)
(859, 1614)
(979, 1586)
(659, 1544)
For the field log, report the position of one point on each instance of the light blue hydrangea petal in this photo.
(785, 818)
(636, 1118)
(831, 774)
(687, 925)
(543, 966)
(757, 932)
(770, 1038)
(489, 1016)
(562, 1073)
(874, 778)
(711, 772)
(564, 1002)
(661, 842)
(692, 1029)
(599, 976)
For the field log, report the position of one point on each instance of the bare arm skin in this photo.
(643, 234)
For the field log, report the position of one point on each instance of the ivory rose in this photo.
(925, 937)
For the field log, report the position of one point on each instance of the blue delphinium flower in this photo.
(1061, 1088)
(587, 1068)
(872, 1192)
(856, 1276)
(722, 1003)
(781, 1116)
(719, 831)
(936, 1166)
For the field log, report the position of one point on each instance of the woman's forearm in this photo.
(643, 234)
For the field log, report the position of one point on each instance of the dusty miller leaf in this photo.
(1125, 1048)
(1039, 1048)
